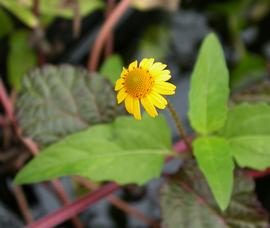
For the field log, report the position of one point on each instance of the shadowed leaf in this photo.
(58, 101)
(187, 202)
(6, 23)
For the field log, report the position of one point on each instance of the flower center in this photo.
(139, 83)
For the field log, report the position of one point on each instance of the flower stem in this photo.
(179, 125)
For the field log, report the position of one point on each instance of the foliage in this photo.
(245, 134)
(52, 8)
(6, 24)
(209, 89)
(63, 9)
(69, 101)
(186, 202)
(112, 67)
(21, 57)
(20, 11)
(215, 160)
(58, 101)
(133, 154)
(248, 133)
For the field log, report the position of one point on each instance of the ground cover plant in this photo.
(104, 128)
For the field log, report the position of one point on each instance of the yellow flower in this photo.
(144, 83)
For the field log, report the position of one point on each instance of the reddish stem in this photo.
(120, 204)
(109, 43)
(181, 146)
(74, 208)
(22, 203)
(103, 34)
(31, 145)
(258, 174)
(78, 206)
(60, 191)
(3, 121)
(76, 19)
(41, 58)
(7, 104)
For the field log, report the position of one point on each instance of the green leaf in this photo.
(186, 201)
(112, 67)
(65, 9)
(21, 58)
(248, 70)
(209, 90)
(58, 101)
(51, 8)
(6, 24)
(20, 11)
(214, 157)
(125, 151)
(248, 131)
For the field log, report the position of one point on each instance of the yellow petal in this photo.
(133, 65)
(147, 63)
(163, 91)
(124, 72)
(137, 109)
(143, 62)
(158, 100)
(166, 85)
(158, 66)
(163, 76)
(149, 107)
(129, 104)
(122, 94)
(119, 84)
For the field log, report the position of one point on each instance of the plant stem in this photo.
(109, 43)
(120, 204)
(79, 205)
(107, 27)
(23, 205)
(36, 8)
(74, 208)
(31, 145)
(179, 125)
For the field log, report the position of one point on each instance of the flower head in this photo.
(144, 83)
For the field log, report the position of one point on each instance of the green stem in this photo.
(179, 125)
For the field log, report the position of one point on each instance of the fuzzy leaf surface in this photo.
(186, 201)
(58, 101)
